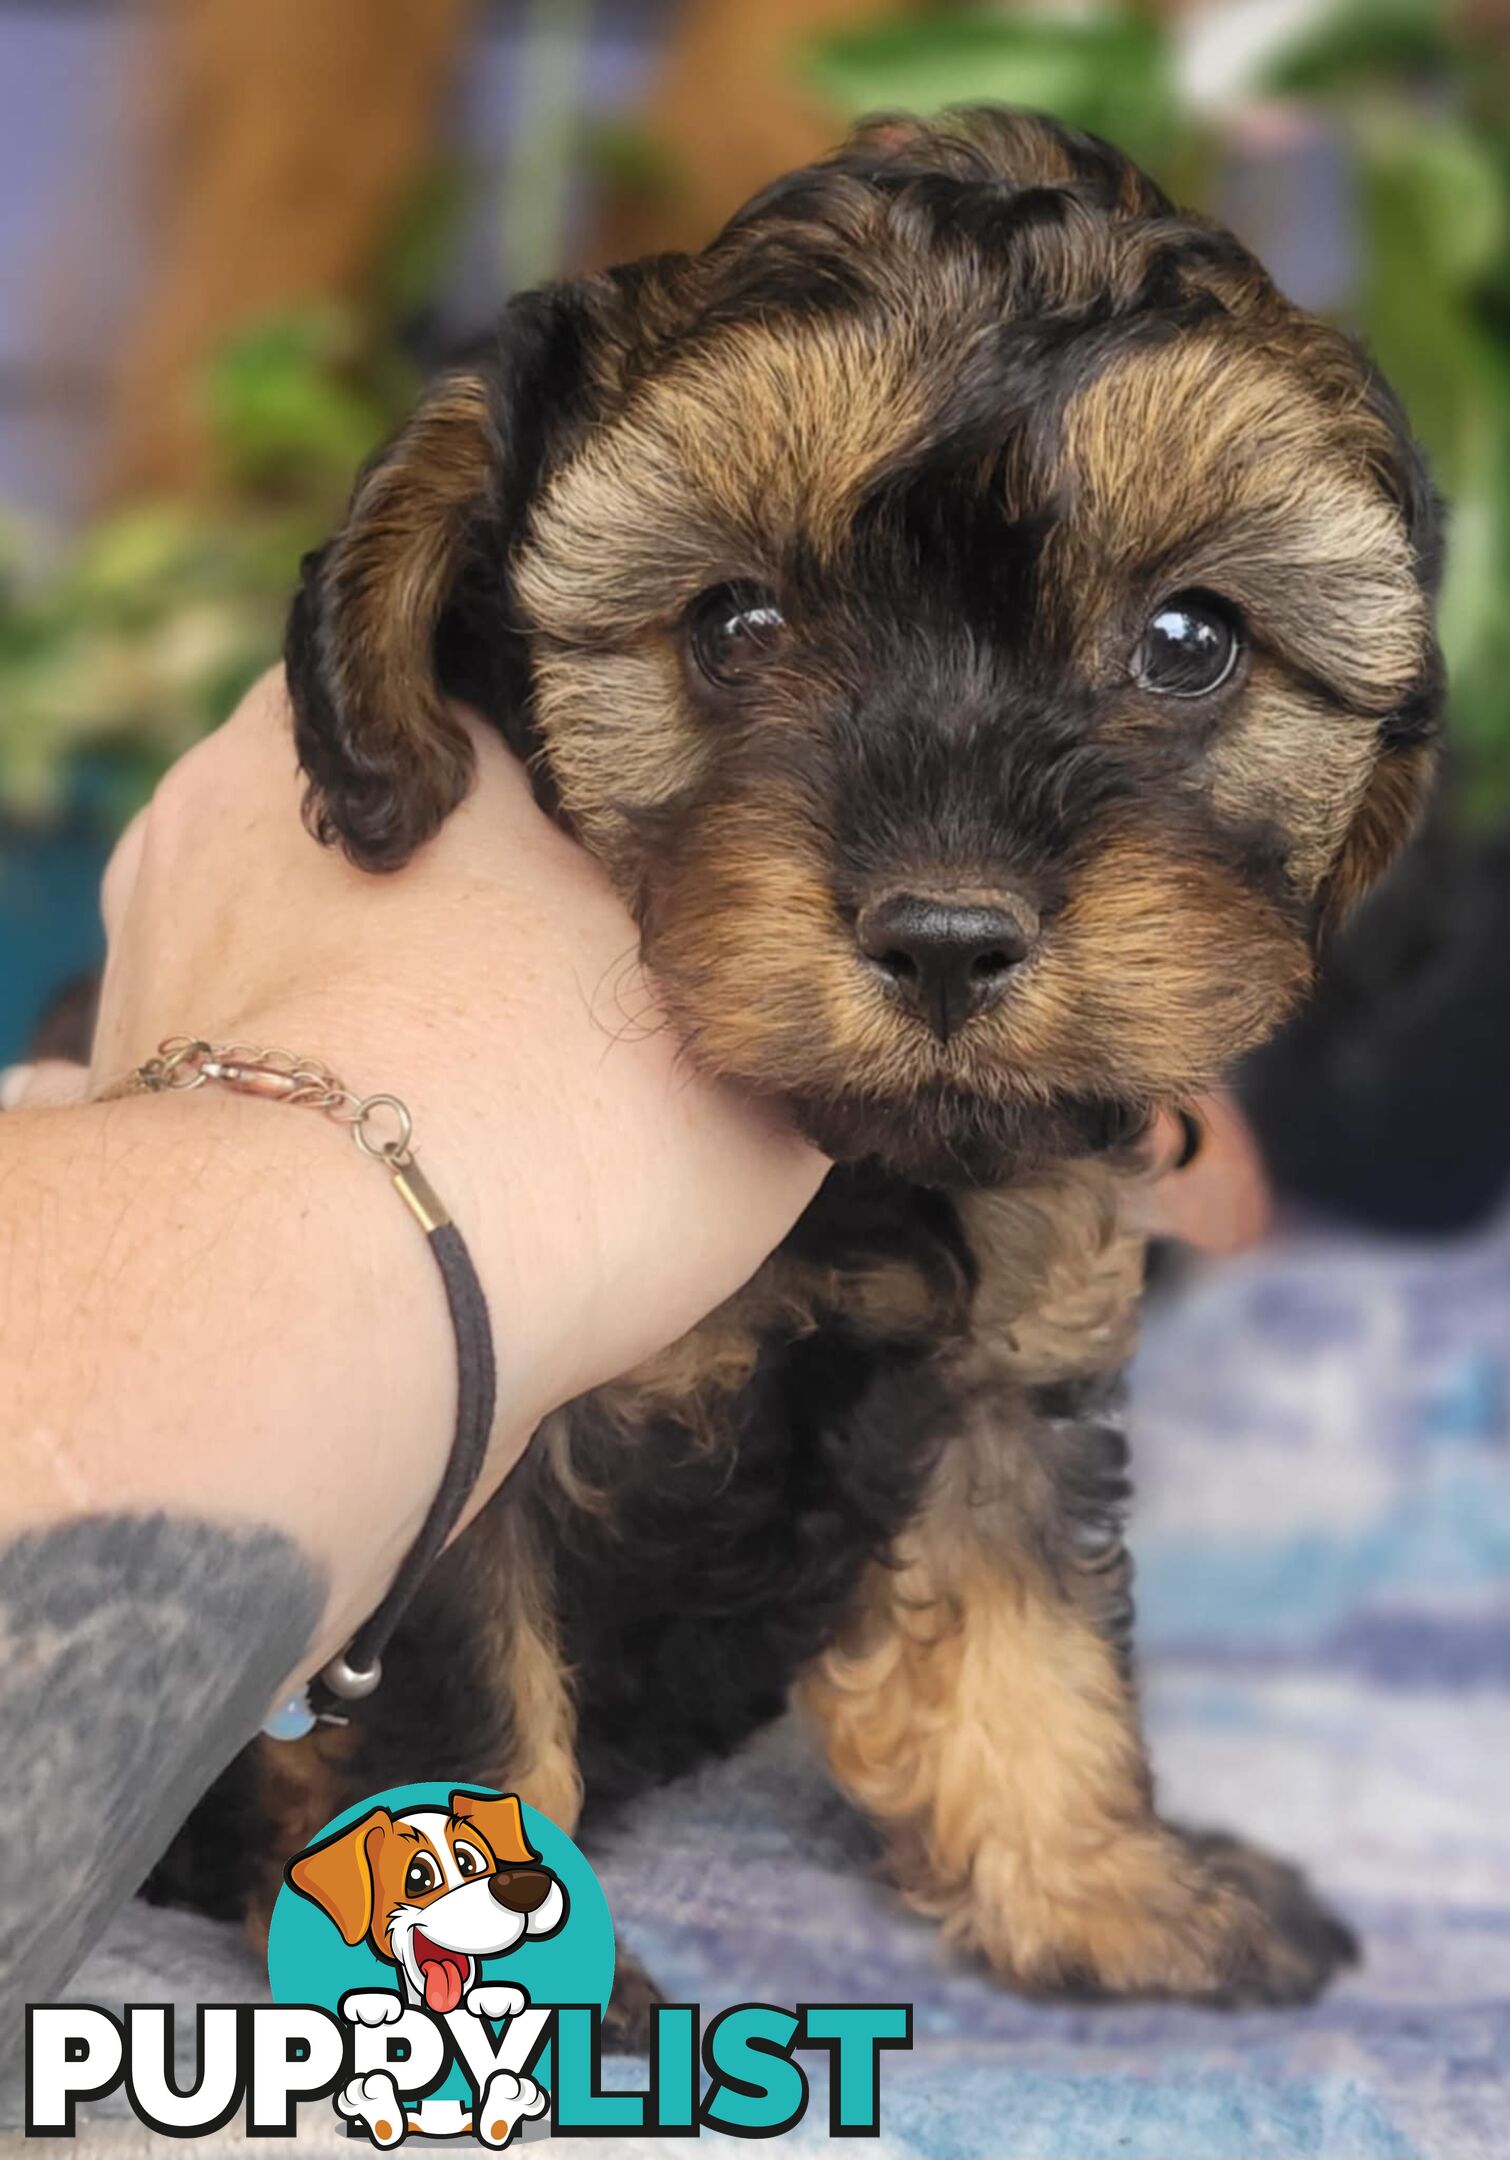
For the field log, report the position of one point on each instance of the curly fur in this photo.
(967, 400)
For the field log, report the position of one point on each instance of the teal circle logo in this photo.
(432, 1891)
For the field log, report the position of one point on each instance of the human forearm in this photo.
(227, 1381)
(226, 1386)
(215, 1308)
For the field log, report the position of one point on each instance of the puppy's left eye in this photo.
(469, 1860)
(1190, 647)
(422, 1875)
(731, 629)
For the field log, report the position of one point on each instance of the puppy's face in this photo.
(983, 629)
(434, 1890)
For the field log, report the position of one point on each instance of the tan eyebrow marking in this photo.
(1160, 453)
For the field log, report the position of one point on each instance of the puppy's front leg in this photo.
(506, 2102)
(981, 1710)
(373, 2103)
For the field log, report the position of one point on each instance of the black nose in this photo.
(948, 961)
(522, 1889)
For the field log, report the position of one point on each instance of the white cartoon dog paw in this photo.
(507, 2101)
(496, 1999)
(372, 2006)
(373, 2102)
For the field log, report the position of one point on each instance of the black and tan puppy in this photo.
(985, 631)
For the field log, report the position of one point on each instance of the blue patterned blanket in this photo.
(1322, 1435)
(1322, 1441)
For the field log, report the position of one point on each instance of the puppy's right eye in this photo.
(422, 1876)
(731, 629)
(1190, 647)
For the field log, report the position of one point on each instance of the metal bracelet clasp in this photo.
(249, 1078)
(381, 1125)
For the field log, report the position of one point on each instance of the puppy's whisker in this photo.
(624, 1006)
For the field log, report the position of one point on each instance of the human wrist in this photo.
(482, 1137)
(279, 1351)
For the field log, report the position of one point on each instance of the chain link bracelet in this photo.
(383, 1130)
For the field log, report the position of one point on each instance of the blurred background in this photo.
(235, 234)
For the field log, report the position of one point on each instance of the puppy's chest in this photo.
(707, 1522)
(1031, 1284)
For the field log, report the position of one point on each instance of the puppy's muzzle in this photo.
(524, 1890)
(944, 960)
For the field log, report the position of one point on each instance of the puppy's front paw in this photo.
(1287, 1945)
(496, 1999)
(1160, 1912)
(507, 2101)
(373, 2102)
(372, 2006)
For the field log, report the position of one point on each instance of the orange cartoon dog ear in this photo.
(500, 1822)
(338, 1875)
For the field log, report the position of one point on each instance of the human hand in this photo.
(228, 1384)
(611, 1195)
(1221, 1202)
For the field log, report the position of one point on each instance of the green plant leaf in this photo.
(627, 154)
(414, 256)
(1108, 71)
(1438, 192)
(289, 400)
(1364, 41)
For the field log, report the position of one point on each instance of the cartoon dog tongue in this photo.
(442, 1984)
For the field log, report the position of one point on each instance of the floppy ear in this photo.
(1385, 819)
(499, 1820)
(1400, 783)
(338, 1875)
(415, 584)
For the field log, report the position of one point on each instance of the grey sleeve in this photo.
(137, 1655)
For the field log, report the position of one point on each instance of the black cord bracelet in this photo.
(186, 1062)
(359, 1668)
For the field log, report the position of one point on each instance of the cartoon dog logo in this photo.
(434, 1891)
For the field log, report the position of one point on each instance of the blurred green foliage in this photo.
(120, 651)
(1425, 107)
(131, 643)
(1106, 71)
(127, 647)
(1420, 106)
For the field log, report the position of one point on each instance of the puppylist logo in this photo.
(440, 1960)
